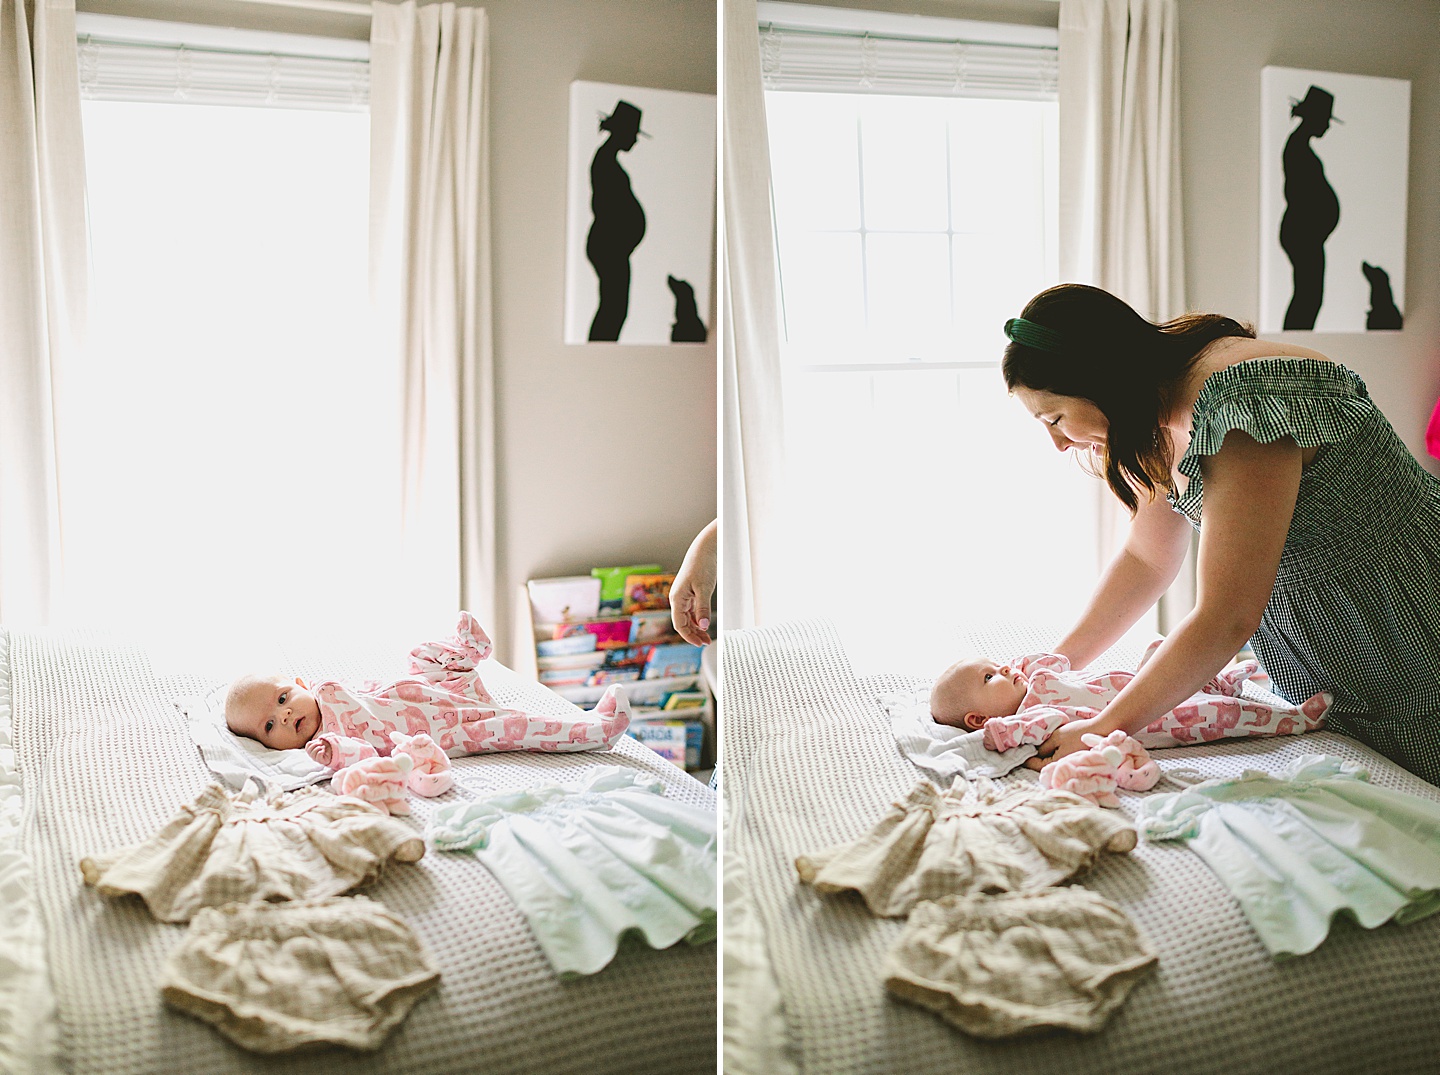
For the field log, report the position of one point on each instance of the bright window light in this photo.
(229, 455)
(922, 497)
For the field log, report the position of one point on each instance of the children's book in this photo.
(607, 633)
(573, 597)
(652, 625)
(683, 700)
(612, 582)
(593, 659)
(603, 676)
(581, 642)
(564, 677)
(676, 659)
(628, 656)
(647, 592)
(677, 741)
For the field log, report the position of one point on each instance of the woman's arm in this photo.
(1144, 569)
(1250, 493)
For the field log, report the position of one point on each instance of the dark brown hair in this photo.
(1127, 366)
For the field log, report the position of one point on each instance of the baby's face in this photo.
(969, 693)
(277, 712)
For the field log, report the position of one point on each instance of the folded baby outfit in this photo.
(932, 844)
(227, 848)
(1018, 962)
(273, 977)
(1301, 847)
(991, 945)
(591, 861)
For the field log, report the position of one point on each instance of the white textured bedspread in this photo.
(105, 760)
(810, 761)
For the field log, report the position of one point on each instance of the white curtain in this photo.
(752, 416)
(44, 266)
(1120, 223)
(430, 273)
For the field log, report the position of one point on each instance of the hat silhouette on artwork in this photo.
(1317, 105)
(625, 119)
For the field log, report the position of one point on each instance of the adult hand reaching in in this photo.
(694, 587)
(1065, 740)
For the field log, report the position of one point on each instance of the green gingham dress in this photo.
(1356, 605)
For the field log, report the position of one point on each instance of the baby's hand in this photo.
(320, 750)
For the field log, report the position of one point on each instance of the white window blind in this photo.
(805, 48)
(125, 59)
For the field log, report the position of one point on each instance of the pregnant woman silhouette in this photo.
(1311, 209)
(619, 222)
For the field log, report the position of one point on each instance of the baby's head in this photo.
(276, 711)
(969, 693)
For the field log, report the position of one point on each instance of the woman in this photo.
(1319, 531)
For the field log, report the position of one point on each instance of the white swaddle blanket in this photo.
(940, 750)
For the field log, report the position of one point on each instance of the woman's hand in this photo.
(1065, 740)
(693, 588)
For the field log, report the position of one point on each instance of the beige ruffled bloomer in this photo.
(273, 977)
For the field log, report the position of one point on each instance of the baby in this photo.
(1025, 701)
(444, 698)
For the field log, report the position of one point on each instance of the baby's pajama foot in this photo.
(613, 713)
(1314, 709)
(431, 774)
(461, 652)
(377, 781)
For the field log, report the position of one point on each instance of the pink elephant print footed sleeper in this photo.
(445, 699)
(1056, 696)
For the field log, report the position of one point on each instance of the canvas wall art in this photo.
(1334, 164)
(641, 215)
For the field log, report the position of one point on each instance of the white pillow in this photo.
(234, 758)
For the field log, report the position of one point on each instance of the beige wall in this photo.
(606, 454)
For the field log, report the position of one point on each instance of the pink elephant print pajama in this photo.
(445, 699)
(1057, 696)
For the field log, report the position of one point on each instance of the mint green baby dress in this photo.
(1299, 848)
(590, 862)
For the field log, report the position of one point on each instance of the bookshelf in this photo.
(642, 641)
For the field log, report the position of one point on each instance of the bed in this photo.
(810, 762)
(101, 759)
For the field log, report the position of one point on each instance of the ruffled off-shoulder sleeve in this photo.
(1312, 401)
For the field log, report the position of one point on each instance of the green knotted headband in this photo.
(1030, 334)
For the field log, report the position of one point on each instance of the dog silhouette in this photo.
(688, 327)
(1384, 314)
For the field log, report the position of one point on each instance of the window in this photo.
(914, 186)
(229, 441)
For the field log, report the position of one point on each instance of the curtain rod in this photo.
(334, 7)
